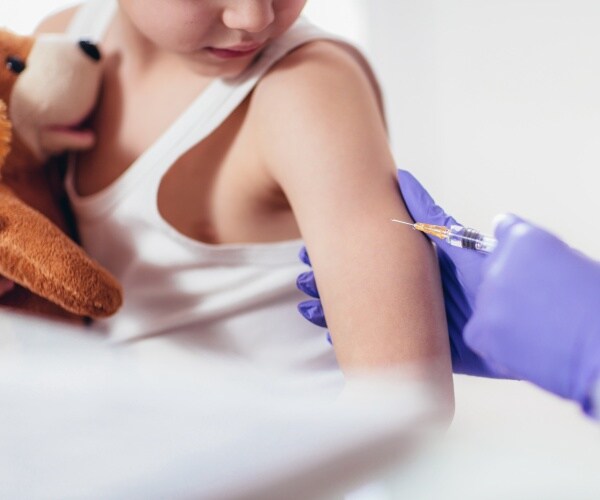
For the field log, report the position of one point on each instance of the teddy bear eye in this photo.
(15, 64)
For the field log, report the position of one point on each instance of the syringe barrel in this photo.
(465, 237)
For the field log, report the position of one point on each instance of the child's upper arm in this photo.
(57, 22)
(325, 144)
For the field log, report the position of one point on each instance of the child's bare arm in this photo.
(325, 145)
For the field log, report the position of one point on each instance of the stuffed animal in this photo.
(48, 87)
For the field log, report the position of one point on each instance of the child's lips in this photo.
(236, 51)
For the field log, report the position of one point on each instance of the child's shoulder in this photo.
(321, 81)
(320, 65)
(315, 98)
(58, 22)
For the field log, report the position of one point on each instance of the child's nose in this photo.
(249, 15)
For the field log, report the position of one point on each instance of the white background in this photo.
(495, 106)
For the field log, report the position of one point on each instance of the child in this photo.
(227, 130)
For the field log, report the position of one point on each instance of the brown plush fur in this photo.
(34, 253)
(5, 133)
(10, 46)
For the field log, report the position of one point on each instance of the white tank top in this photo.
(183, 296)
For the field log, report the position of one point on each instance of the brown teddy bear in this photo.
(48, 87)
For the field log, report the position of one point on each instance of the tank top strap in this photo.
(92, 19)
(210, 110)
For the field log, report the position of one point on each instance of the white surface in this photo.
(82, 419)
(23, 16)
(508, 441)
(343, 17)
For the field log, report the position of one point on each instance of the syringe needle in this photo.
(440, 232)
(402, 222)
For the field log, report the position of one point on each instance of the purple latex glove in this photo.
(312, 310)
(460, 271)
(536, 312)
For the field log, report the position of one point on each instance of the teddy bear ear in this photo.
(5, 133)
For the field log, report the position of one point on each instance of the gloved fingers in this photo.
(504, 223)
(312, 310)
(477, 332)
(303, 256)
(517, 238)
(419, 202)
(306, 283)
(5, 286)
(483, 335)
(467, 265)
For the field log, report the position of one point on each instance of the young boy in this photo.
(227, 130)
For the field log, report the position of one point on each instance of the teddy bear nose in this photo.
(90, 49)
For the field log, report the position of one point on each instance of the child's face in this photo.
(223, 36)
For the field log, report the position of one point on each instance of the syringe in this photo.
(457, 236)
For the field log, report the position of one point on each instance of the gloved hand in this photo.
(460, 272)
(536, 313)
(312, 310)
